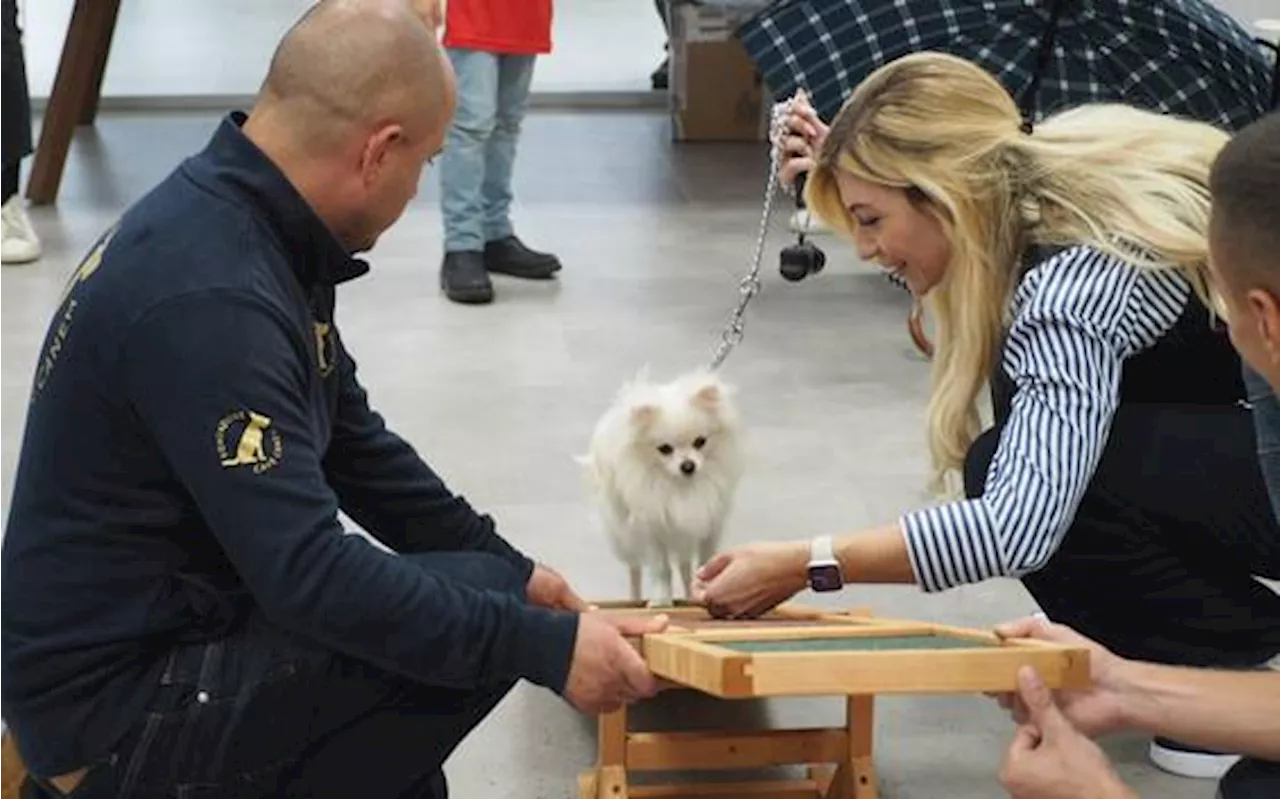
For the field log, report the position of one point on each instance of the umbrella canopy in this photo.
(1184, 57)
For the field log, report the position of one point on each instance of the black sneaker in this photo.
(659, 80)
(509, 256)
(464, 278)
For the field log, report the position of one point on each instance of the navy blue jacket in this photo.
(195, 426)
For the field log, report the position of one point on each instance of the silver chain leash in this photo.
(750, 286)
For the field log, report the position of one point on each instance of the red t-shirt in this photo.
(499, 26)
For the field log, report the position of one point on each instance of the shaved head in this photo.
(1244, 242)
(356, 103)
(350, 65)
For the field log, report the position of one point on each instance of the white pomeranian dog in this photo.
(663, 465)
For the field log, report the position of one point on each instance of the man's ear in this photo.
(376, 156)
(1266, 316)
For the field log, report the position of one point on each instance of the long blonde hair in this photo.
(1128, 181)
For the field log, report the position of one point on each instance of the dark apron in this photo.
(1158, 561)
(16, 140)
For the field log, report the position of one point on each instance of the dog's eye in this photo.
(666, 449)
(699, 442)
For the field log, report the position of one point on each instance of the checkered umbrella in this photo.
(1176, 56)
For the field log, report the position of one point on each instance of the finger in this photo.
(638, 681)
(1018, 711)
(698, 592)
(794, 168)
(1042, 711)
(569, 600)
(796, 146)
(712, 568)
(807, 118)
(716, 610)
(1026, 627)
(1025, 739)
(803, 126)
(760, 607)
(641, 625)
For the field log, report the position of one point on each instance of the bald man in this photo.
(182, 612)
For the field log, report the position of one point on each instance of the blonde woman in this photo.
(1066, 269)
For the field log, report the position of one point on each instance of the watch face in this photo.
(825, 578)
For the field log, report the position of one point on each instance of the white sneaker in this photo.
(19, 243)
(1184, 760)
(1189, 761)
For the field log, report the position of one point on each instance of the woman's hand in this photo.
(752, 580)
(801, 140)
(1095, 710)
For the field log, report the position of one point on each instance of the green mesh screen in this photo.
(855, 644)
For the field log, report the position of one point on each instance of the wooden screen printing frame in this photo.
(696, 652)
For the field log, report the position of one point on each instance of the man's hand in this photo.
(1049, 758)
(747, 582)
(431, 12)
(607, 671)
(546, 588)
(1095, 710)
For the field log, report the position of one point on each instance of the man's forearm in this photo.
(1226, 711)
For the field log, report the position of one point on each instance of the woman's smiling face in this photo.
(895, 233)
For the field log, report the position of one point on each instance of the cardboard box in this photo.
(715, 92)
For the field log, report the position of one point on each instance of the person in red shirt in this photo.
(492, 45)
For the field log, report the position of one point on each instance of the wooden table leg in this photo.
(860, 714)
(611, 776)
(855, 776)
(80, 68)
(101, 50)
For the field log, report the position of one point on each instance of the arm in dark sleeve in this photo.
(385, 486)
(203, 369)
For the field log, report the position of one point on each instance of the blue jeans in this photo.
(480, 149)
(1250, 778)
(262, 712)
(1266, 421)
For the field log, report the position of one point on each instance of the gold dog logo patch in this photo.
(256, 445)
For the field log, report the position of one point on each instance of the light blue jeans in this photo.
(480, 149)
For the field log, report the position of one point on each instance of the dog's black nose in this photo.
(688, 467)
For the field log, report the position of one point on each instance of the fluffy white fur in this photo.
(663, 465)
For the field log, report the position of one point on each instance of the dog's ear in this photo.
(708, 395)
(643, 415)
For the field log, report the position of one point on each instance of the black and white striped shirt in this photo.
(1076, 318)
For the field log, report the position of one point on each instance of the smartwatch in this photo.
(824, 569)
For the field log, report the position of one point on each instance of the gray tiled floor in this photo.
(499, 398)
